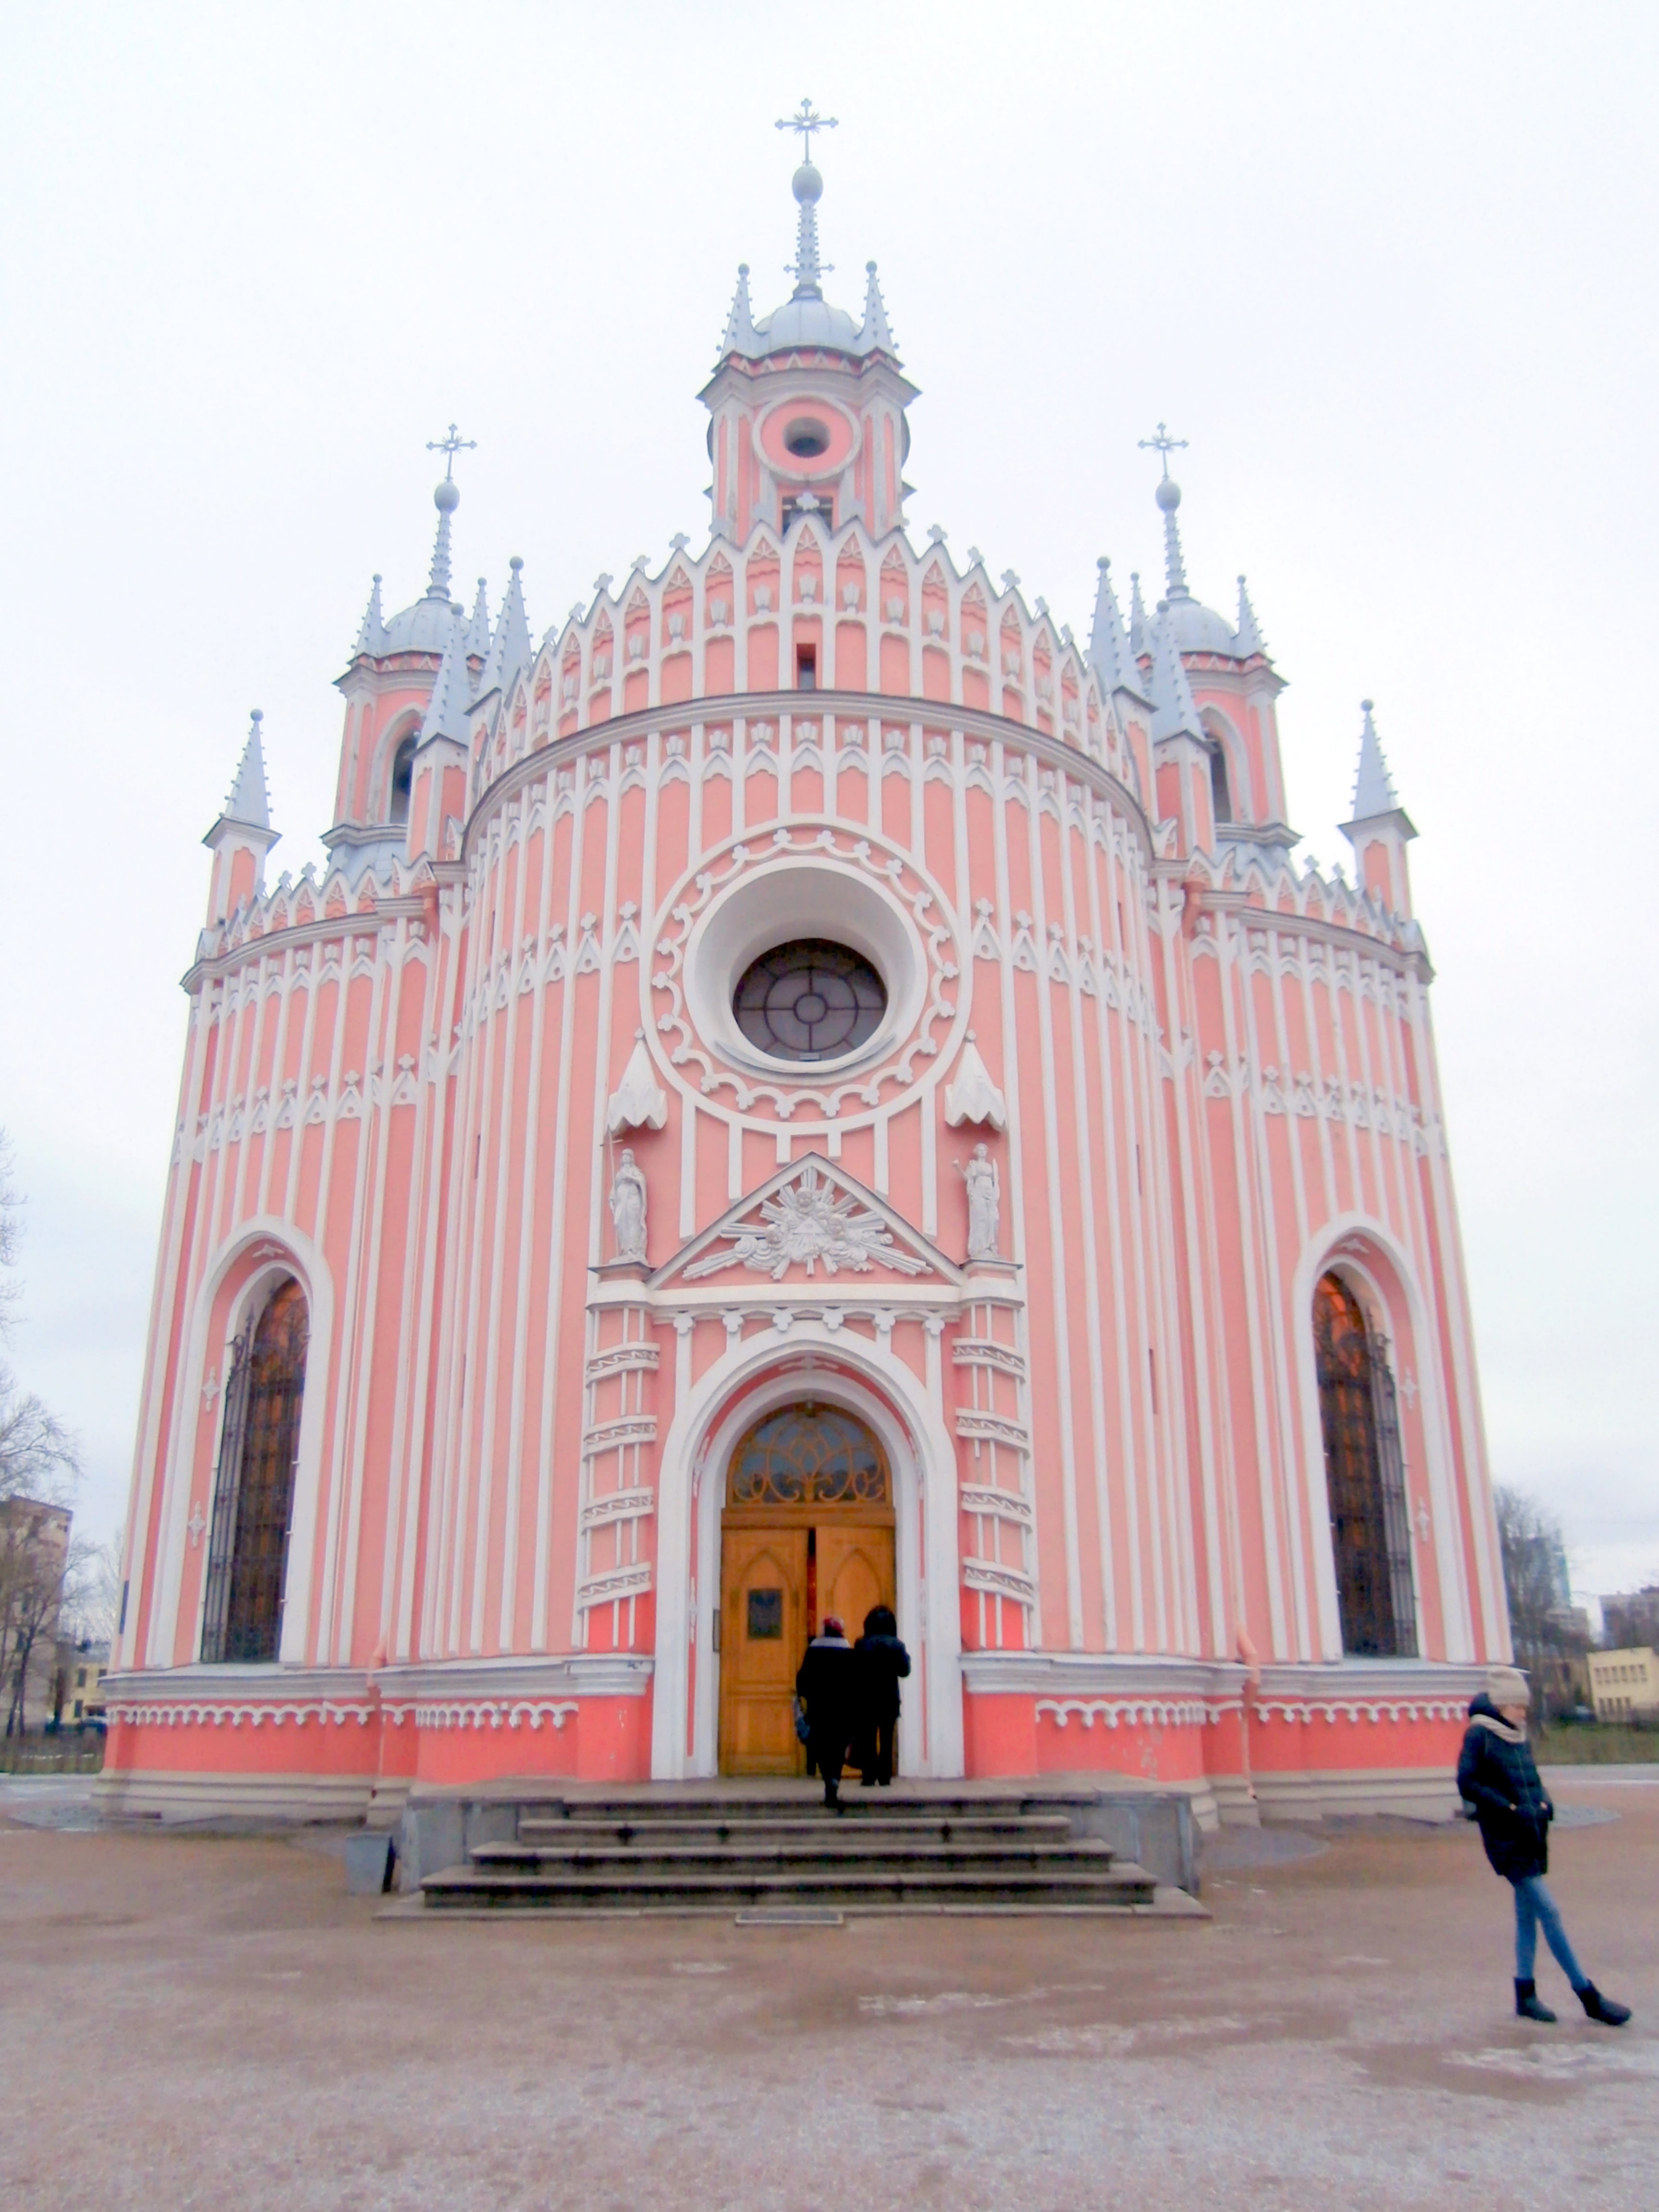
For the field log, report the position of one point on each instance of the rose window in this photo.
(809, 1000)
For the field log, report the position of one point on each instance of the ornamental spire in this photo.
(371, 638)
(447, 498)
(741, 336)
(1140, 645)
(1374, 792)
(249, 802)
(478, 630)
(1168, 496)
(1250, 639)
(1108, 649)
(808, 187)
(1174, 714)
(451, 689)
(511, 649)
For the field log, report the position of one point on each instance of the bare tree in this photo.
(1535, 1560)
(38, 1455)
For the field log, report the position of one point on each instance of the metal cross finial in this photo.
(1163, 444)
(450, 447)
(806, 123)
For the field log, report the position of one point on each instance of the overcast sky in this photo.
(1390, 270)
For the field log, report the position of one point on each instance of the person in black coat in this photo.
(828, 1686)
(1497, 1779)
(883, 1663)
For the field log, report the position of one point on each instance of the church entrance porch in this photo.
(806, 1532)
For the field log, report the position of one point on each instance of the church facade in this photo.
(808, 1087)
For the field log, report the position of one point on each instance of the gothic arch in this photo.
(245, 1584)
(1365, 1475)
(752, 1379)
(1227, 752)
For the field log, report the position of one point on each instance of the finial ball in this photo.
(1168, 494)
(807, 185)
(447, 496)
(516, 563)
(1365, 706)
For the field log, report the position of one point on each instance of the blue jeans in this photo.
(1535, 1907)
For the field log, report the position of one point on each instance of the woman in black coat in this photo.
(883, 1663)
(827, 1685)
(1497, 1777)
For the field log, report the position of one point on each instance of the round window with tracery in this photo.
(808, 1456)
(809, 1000)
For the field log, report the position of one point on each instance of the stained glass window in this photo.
(809, 1000)
(253, 1490)
(808, 1456)
(1365, 1477)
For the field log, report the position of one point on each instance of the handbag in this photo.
(802, 1726)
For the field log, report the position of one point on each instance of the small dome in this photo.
(807, 184)
(1199, 628)
(423, 628)
(810, 321)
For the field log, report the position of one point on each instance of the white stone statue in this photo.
(984, 1203)
(627, 1206)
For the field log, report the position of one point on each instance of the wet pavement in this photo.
(190, 2019)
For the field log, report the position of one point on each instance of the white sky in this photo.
(1390, 269)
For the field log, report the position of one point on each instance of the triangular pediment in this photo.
(809, 1222)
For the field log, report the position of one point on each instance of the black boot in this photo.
(1527, 2006)
(832, 1796)
(1596, 2007)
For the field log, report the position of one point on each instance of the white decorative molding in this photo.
(618, 1581)
(607, 1435)
(250, 1713)
(494, 1713)
(1133, 1712)
(982, 1352)
(639, 1101)
(1357, 1709)
(812, 1219)
(999, 1504)
(973, 1096)
(621, 1360)
(990, 1575)
(620, 1505)
(991, 1428)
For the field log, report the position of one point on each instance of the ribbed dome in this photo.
(423, 628)
(809, 321)
(1199, 628)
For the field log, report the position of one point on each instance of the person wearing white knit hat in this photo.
(1497, 1777)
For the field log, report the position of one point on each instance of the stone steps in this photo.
(780, 1851)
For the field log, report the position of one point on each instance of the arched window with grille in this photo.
(1364, 1478)
(253, 1487)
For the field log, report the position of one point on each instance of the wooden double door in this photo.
(784, 1569)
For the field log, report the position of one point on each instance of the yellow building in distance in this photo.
(1624, 1685)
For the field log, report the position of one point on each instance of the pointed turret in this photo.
(478, 630)
(1174, 713)
(242, 836)
(511, 649)
(249, 803)
(1109, 647)
(875, 335)
(1140, 644)
(1381, 828)
(452, 688)
(371, 638)
(740, 335)
(1250, 639)
(447, 498)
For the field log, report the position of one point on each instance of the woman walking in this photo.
(883, 1662)
(1497, 1775)
(827, 1685)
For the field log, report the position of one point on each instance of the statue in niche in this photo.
(984, 1203)
(627, 1206)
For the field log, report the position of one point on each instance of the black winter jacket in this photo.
(883, 1662)
(827, 1680)
(1496, 1774)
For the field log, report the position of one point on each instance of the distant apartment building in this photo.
(1631, 1619)
(1624, 1685)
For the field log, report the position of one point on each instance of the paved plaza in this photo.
(209, 2020)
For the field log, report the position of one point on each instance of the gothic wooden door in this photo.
(763, 1632)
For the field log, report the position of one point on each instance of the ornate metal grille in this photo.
(809, 1000)
(254, 1488)
(1365, 1477)
(808, 1456)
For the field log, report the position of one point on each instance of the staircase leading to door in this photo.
(780, 1851)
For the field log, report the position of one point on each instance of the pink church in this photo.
(808, 1087)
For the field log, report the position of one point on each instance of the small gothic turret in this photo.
(242, 836)
(511, 649)
(1109, 647)
(1381, 828)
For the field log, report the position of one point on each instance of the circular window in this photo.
(806, 438)
(809, 999)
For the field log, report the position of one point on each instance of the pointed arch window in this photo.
(403, 780)
(1364, 1478)
(1221, 797)
(809, 1455)
(253, 1487)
